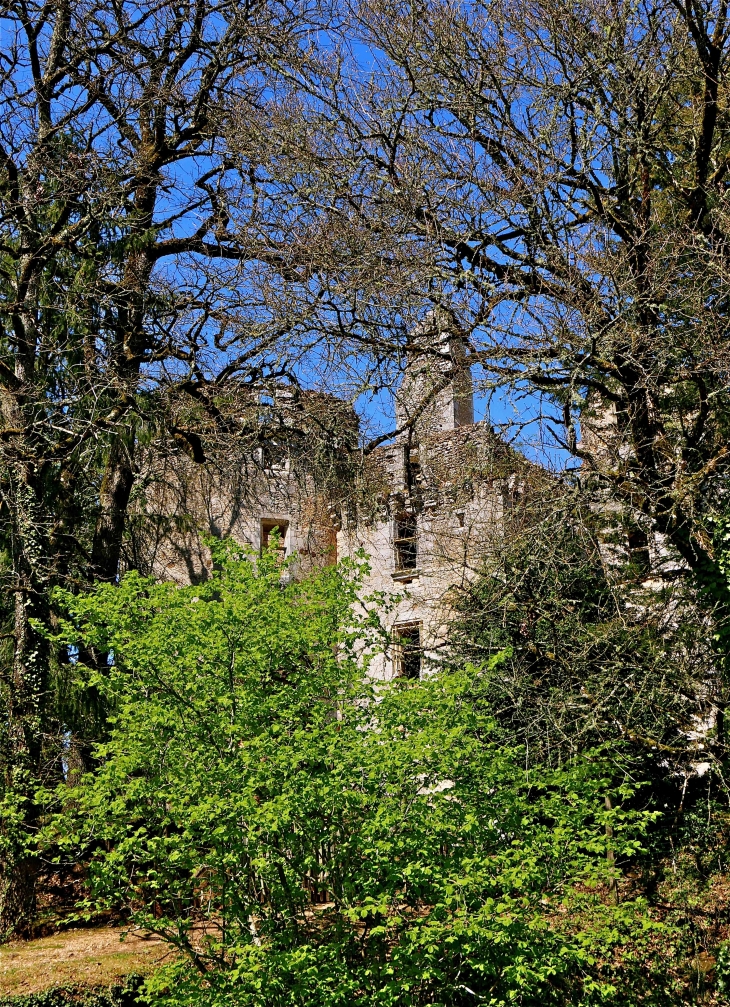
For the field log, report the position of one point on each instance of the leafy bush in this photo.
(120, 995)
(304, 835)
(595, 656)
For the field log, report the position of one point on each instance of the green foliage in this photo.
(121, 995)
(304, 835)
(601, 655)
(723, 969)
(596, 656)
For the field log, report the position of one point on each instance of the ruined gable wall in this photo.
(277, 454)
(180, 502)
(187, 501)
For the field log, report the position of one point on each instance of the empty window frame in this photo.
(639, 549)
(407, 652)
(268, 527)
(405, 542)
(272, 457)
(414, 475)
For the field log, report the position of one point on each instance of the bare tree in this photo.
(555, 179)
(142, 256)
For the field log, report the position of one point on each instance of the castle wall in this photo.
(426, 509)
(455, 496)
(187, 502)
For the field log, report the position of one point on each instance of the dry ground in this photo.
(94, 957)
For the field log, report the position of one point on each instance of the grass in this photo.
(91, 957)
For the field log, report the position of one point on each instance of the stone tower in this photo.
(436, 393)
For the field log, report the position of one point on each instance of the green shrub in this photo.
(121, 995)
(306, 836)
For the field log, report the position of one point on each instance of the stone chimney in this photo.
(436, 392)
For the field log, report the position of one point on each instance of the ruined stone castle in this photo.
(426, 508)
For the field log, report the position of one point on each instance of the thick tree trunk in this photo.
(116, 488)
(114, 494)
(18, 897)
(25, 712)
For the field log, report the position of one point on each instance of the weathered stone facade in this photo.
(278, 466)
(428, 516)
(426, 509)
(243, 502)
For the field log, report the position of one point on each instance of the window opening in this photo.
(268, 527)
(413, 467)
(407, 650)
(639, 548)
(272, 457)
(406, 542)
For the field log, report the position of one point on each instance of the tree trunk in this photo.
(116, 488)
(18, 897)
(25, 710)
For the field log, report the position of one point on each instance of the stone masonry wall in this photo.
(453, 484)
(426, 509)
